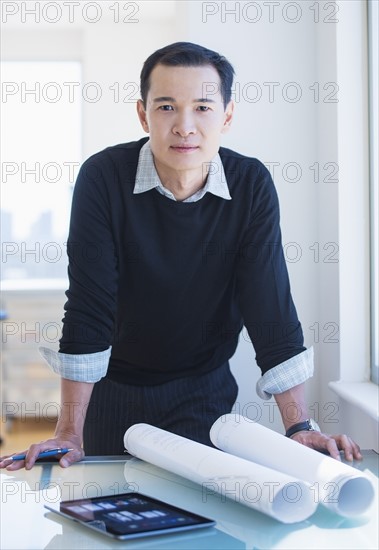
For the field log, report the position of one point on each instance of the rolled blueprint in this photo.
(338, 486)
(280, 496)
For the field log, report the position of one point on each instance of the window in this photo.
(373, 34)
(41, 153)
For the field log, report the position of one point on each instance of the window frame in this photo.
(373, 74)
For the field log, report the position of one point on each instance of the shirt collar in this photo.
(147, 178)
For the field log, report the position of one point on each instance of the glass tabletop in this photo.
(27, 524)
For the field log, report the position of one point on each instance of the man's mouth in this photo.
(184, 148)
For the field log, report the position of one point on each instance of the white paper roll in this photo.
(276, 494)
(338, 486)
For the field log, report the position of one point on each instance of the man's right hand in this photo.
(71, 442)
(75, 397)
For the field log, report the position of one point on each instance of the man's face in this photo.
(185, 122)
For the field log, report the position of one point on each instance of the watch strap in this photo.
(305, 425)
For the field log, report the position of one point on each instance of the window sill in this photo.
(362, 395)
(34, 285)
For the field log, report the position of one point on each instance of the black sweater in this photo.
(170, 284)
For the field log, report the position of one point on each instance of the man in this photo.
(174, 245)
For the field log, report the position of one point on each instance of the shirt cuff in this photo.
(87, 367)
(286, 375)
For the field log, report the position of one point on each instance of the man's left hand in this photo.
(333, 444)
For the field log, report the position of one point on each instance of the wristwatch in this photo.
(308, 425)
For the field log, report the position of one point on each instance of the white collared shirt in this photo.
(147, 178)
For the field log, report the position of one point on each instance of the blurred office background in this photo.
(306, 105)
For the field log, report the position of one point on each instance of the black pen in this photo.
(43, 454)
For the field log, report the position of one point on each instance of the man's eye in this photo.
(203, 108)
(165, 107)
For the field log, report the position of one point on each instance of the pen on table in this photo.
(43, 454)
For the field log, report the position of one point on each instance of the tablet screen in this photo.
(130, 515)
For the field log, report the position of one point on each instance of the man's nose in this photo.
(184, 125)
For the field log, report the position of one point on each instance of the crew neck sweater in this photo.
(169, 285)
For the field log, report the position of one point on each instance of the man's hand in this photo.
(75, 397)
(293, 409)
(330, 443)
(71, 442)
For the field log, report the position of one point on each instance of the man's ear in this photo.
(228, 116)
(142, 115)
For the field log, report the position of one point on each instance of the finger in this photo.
(319, 442)
(356, 451)
(352, 450)
(34, 451)
(5, 461)
(70, 458)
(349, 447)
(10, 464)
(4, 457)
(331, 447)
(15, 465)
(344, 444)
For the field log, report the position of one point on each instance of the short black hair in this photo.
(187, 54)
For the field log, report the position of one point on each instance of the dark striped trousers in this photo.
(185, 406)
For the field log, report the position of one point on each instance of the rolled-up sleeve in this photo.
(287, 375)
(90, 367)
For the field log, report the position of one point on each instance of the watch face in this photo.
(313, 425)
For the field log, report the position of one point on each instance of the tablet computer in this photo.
(129, 515)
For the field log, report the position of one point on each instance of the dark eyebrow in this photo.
(172, 100)
(164, 98)
(204, 100)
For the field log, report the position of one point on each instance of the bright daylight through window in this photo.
(41, 120)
